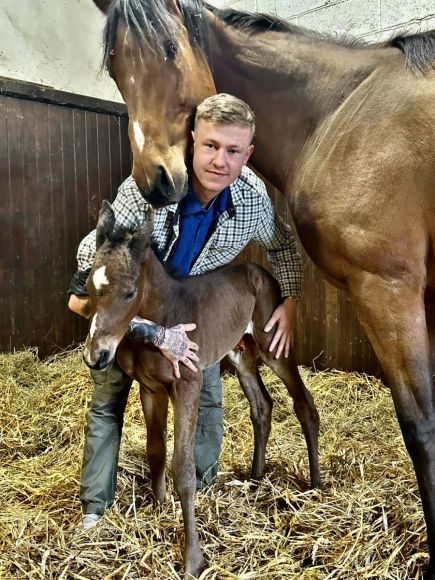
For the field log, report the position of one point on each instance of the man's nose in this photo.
(219, 158)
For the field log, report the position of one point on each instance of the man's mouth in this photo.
(216, 173)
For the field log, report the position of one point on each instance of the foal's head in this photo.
(115, 286)
(153, 53)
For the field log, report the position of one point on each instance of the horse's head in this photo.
(115, 286)
(153, 52)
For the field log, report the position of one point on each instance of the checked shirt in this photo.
(250, 216)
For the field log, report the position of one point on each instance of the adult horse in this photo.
(346, 131)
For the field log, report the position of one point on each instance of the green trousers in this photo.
(104, 429)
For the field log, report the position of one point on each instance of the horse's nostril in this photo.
(162, 182)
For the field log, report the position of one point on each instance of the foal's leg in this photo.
(393, 315)
(185, 399)
(155, 408)
(244, 360)
(304, 406)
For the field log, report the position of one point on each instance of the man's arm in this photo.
(173, 342)
(282, 252)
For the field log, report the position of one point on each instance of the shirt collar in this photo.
(190, 205)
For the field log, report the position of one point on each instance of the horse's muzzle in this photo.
(164, 191)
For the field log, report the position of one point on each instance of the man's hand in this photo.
(178, 348)
(285, 317)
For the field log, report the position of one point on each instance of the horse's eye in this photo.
(170, 50)
(129, 295)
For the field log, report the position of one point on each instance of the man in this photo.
(226, 207)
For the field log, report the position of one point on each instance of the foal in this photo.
(126, 280)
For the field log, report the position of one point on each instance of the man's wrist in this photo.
(294, 299)
(160, 336)
(146, 332)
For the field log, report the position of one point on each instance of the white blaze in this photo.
(250, 328)
(93, 326)
(99, 278)
(138, 136)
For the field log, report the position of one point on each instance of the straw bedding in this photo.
(365, 523)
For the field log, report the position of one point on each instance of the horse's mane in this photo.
(419, 49)
(259, 22)
(155, 26)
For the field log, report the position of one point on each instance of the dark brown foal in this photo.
(126, 280)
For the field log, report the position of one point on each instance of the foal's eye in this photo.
(129, 295)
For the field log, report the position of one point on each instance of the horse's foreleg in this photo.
(304, 407)
(185, 399)
(430, 323)
(244, 361)
(393, 315)
(155, 408)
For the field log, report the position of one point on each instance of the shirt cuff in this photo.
(78, 283)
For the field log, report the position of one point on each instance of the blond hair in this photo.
(226, 110)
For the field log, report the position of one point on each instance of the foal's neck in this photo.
(156, 284)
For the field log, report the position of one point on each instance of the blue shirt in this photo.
(195, 224)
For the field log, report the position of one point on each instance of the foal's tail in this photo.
(268, 297)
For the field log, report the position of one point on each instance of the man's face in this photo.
(219, 153)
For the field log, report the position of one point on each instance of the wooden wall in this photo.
(60, 156)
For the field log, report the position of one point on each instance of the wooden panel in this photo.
(53, 178)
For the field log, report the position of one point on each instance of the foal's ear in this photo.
(142, 238)
(106, 222)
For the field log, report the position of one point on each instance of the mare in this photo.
(345, 130)
(127, 279)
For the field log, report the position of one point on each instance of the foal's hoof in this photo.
(195, 567)
(316, 483)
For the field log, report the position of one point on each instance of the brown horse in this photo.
(345, 130)
(127, 279)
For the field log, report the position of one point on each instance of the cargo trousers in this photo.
(104, 428)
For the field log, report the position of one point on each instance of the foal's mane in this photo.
(419, 49)
(155, 26)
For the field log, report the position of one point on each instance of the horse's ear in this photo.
(103, 5)
(106, 222)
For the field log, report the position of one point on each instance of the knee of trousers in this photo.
(111, 388)
(211, 389)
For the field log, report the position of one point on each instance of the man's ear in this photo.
(248, 153)
(106, 222)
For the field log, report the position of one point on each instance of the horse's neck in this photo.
(292, 84)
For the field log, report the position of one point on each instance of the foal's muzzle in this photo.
(102, 363)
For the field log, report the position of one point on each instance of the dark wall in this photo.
(60, 156)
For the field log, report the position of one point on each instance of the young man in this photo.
(226, 207)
